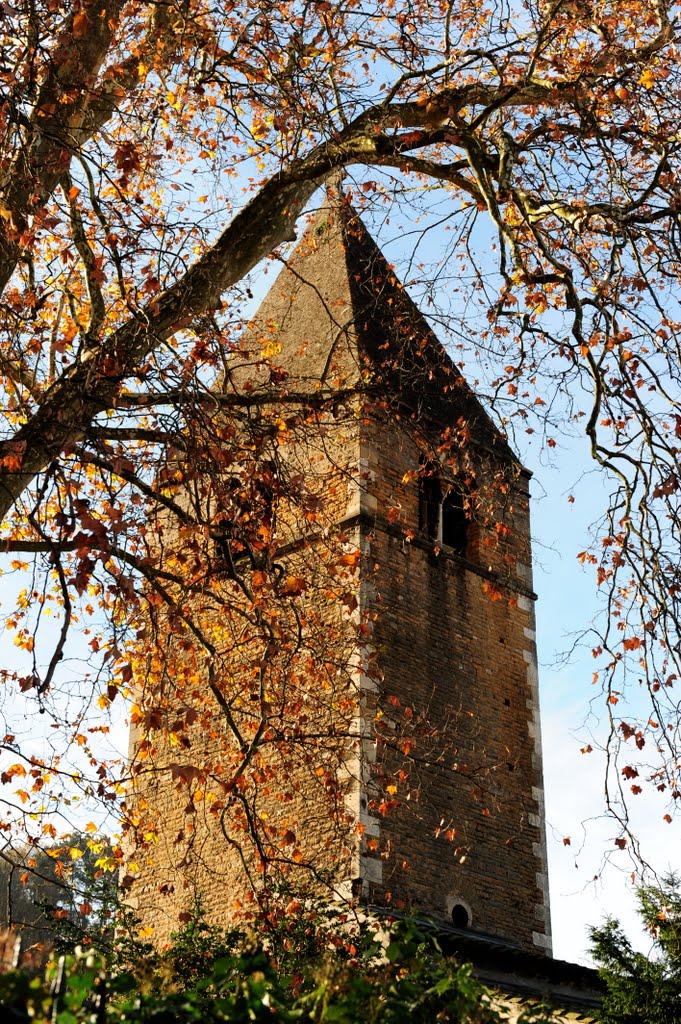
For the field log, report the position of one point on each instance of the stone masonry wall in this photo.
(449, 799)
(301, 788)
(456, 648)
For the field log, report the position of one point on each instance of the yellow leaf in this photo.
(271, 348)
(106, 863)
(647, 79)
(75, 853)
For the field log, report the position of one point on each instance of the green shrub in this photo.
(318, 965)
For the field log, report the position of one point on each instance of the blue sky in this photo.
(590, 878)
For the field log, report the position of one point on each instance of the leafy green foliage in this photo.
(58, 895)
(370, 973)
(643, 989)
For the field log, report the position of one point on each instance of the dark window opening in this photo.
(454, 521)
(460, 916)
(443, 515)
(243, 529)
(430, 500)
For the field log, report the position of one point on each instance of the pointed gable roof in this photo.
(338, 317)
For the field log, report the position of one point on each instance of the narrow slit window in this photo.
(430, 502)
(454, 528)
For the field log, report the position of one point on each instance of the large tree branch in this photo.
(30, 179)
(93, 384)
(74, 103)
(317, 399)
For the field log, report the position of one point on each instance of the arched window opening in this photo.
(459, 911)
(461, 917)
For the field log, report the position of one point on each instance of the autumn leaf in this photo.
(350, 559)
(81, 24)
(293, 586)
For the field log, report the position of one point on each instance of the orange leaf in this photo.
(293, 586)
(81, 24)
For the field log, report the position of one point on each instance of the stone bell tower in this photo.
(442, 778)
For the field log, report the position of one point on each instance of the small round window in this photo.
(460, 913)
